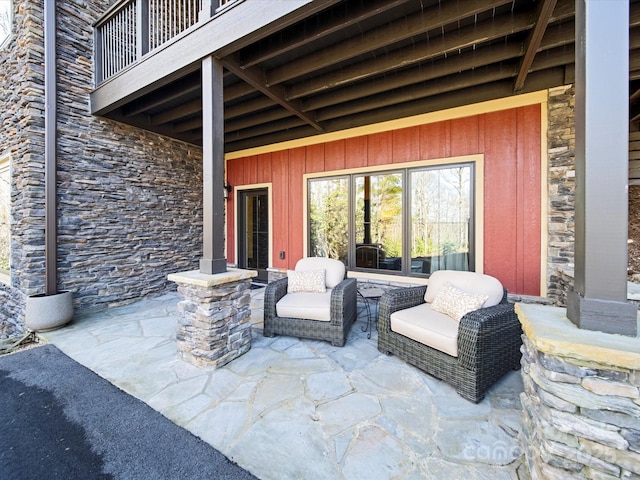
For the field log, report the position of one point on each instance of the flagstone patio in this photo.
(301, 409)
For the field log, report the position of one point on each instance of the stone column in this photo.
(581, 400)
(213, 316)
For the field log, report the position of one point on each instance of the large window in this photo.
(6, 20)
(5, 214)
(410, 221)
(329, 216)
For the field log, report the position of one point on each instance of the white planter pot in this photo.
(48, 312)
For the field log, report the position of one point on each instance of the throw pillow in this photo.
(310, 281)
(455, 302)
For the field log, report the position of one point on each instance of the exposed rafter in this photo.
(534, 38)
(339, 64)
(297, 37)
(254, 76)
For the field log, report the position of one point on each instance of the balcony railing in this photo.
(133, 28)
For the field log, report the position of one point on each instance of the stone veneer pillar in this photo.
(213, 316)
(581, 400)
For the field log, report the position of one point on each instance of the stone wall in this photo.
(21, 136)
(129, 201)
(579, 421)
(561, 188)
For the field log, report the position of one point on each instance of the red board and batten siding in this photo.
(509, 139)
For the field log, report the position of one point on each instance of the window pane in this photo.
(329, 218)
(5, 19)
(5, 200)
(440, 214)
(378, 219)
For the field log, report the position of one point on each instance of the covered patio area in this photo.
(290, 408)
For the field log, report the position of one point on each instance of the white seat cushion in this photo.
(311, 306)
(428, 327)
(470, 282)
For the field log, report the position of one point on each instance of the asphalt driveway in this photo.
(59, 420)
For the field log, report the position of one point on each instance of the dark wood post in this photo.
(213, 258)
(599, 299)
(50, 149)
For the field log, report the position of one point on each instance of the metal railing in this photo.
(133, 28)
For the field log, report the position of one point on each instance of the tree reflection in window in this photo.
(440, 219)
(6, 20)
(371, 219)
(5, 213)
(329, 218)
(378, 222)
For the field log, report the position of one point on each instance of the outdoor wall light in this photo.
(227, 191)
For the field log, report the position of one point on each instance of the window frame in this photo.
(4, 42)
(5, 166)
(474, 162)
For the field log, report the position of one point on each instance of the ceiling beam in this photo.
(253, 120)
(165, 94)
(237, 90)
(184, 110)
(248, 107)
(233, 144)
(187, 125)
(417, 24)
(254, 76)
(476, 94)
(268, 128)
(467, 60)
(534, 37)
(438, 86)
(302, 36)
(466, 37)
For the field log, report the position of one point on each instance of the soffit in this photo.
(362, 62)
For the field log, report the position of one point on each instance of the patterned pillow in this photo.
(310, 281)
(455, 302)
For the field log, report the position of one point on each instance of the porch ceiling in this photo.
(361, 62)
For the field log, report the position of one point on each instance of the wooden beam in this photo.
(232, 144)
(468, 60)
(248, 107)
(249, 121)
(163, 95)
(417, 24)
(142, 121)
(300, 36)
(534, 37)
(254, 77)
(184, 110)
(476, 94)
(438, 86)
(237, 90)
(267, 128)
(414, 54)
(553, 58)
(187, 125)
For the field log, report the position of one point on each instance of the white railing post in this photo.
(206, 10)
(142, 28)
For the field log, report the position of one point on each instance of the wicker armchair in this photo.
(341, 293)
(488, 344)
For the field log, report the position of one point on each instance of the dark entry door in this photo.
(253, 231)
